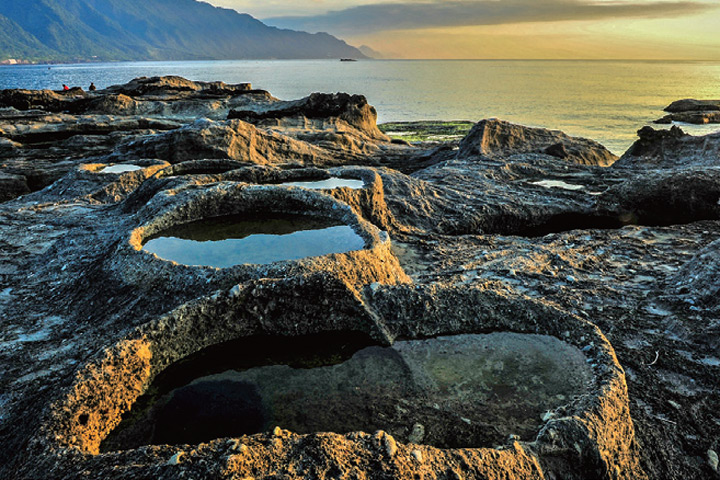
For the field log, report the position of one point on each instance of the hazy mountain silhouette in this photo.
(149, 30)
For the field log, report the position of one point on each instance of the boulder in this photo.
(353, 110)
(698, 112)
(671, 148)
(499, 139)
(691, 105)
(173, 85)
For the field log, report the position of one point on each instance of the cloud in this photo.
(454, 13)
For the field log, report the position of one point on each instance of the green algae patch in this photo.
(426, 131)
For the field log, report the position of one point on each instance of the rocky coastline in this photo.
(501, 229)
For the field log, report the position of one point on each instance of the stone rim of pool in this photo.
(372, 262)
(594, 426)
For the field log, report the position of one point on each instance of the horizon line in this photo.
(688, 60)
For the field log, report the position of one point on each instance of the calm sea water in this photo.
(604, 100)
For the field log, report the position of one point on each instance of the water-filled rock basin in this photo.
(121, 168)
(558, 184)
(240, 239)
(327, 184)
(450, 392)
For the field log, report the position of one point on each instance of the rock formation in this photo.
(353, 110)
(497, 138)
(671, 149)
(692, 111)
(519, 230)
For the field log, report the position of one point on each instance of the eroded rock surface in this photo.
(351, 109)
(232, 140)
(518, 230)
(44, 134)
(671, 149)
(497, 138)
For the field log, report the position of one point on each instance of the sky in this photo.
(500, 29)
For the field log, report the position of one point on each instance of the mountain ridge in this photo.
(112, 30)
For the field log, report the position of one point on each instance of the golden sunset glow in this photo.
(691, 38)
(641, 29)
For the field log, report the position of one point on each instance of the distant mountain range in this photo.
(107, 30)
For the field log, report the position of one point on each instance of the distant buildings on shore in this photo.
(21, 61)
(15, 61)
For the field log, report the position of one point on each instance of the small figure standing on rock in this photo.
(65, 87)
(92, 87)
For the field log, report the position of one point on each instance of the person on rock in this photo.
(92, 87)
(65, 87)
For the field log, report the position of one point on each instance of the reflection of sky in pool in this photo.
(233, 240)
(121, 168)
(558, 184)
(329, 183)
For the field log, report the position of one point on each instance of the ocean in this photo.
(607, 101)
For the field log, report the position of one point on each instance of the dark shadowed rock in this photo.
(173, 85)
(666, 197)
(12, 186)
(698, 112)
(497, 138)
(557, 150)
(63, 127)
(696, 118)
(113, 104)
(670, 149)
(48, 100)
(699, 278)
(351, 109)
(690, 105)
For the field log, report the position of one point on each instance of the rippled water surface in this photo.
(604, 100)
